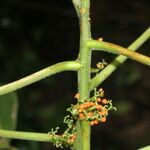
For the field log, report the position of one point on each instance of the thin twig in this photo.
(119, 50)
(42, 137)
(59, 67)
(107, 71)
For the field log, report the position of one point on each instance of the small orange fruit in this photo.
(95, 121)
(82, 106)
(103, 119)
(92, 104)
(98, 107)
(72, 140)
(104, 101)
(104, 112)
(92, 123)
(99, 99)
(81, 115)
(73, 136)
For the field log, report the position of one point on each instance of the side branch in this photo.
(59, 67)
(116, 49)
(41, 137)
(106, 72)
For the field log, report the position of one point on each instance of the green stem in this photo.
(59, 67)
(83, 127)
(105, 73)
(41, 137)
(116, 49)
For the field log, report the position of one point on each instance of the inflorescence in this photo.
(94, 110)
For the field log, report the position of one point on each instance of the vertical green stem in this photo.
(83, 127)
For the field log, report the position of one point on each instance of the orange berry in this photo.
(85, 105)
(72, 140)
(99, 99)
(104, 101)
(82, 106)
(73, 136)
(98, 107)
(104, 112)
(92, 104)
(88, 104)
(77, 96)
(92, 123)
(103, 119)
(81, 115)
(95, 121)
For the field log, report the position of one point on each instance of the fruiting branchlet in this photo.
(68, 137)
(95, 110)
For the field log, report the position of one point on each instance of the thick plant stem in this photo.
(83, 127)
(41, 137)
(116, 49)
(59, 67)
(106, 72)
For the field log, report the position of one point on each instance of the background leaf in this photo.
(8, 111)
(8, 116)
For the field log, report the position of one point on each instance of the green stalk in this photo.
(116, 49)
(59, 67)
(106, 72)
(83, 127)
(41, 137)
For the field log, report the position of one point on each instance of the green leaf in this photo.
(8, 111)
(8, 117)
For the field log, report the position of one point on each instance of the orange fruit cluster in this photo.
(95, 109)
(94, 112)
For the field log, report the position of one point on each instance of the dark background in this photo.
(38, 33)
